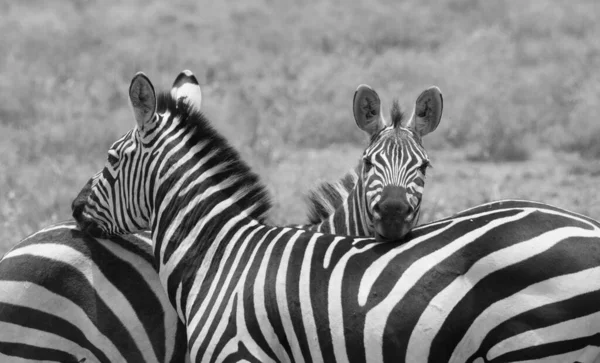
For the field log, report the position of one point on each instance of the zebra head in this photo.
(116, 200)
(395, 162)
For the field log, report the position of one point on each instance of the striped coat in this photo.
(123, 313)
(507, 281)
(65, 295)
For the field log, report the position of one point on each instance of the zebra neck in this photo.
(190, 248)
(348, 218)
(196, 217)
(200, 183)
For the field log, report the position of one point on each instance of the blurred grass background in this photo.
(519, 78)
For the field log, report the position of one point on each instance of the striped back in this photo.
(67, 296)
(382, 196)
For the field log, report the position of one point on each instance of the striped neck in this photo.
(349, 218)
(201, 193)
(193, 225)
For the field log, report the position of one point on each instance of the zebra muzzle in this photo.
(393, 214)
(84, 221)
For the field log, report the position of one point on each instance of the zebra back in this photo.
(67, 296)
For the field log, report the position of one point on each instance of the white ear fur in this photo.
(427, 113)
(367, 110)
(186, 86)
(143, 99)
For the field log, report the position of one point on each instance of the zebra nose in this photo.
(393, 204)
(80, 200)
(393, 214)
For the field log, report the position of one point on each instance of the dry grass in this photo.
(278, 79)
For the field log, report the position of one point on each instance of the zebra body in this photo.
(67, 296)
(507, 281)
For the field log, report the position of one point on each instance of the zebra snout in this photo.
(393, 214)
(85, 223)
(80, 200)
(393, 204)
(88, 226)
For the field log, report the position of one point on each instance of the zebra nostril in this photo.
(77, 212)
(80, 200)
(401, 209)
(394, 209)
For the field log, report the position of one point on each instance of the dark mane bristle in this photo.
(323, 200)
(396, 114)
(190, 116)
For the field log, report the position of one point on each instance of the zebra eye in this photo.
(424, 166)
(368, 165)
(113, 158)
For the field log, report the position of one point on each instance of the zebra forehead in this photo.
(396, 134)
(396, 141)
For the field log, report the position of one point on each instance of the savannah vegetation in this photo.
(520, 82)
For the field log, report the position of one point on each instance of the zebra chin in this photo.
(86, 224)
(89, 226)
(387, 232)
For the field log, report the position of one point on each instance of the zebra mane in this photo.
(396, 114)
(325, 198)
(255, 193)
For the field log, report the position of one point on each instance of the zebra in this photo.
(386, 200)
(505, 281)
(113, 336)
(382, 196)
(66, 296)
(328, 198)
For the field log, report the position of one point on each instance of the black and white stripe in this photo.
(66, 296)
(387, 186)
(506, 281)
(58, 251)
(326, 198)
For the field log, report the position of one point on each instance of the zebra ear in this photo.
(186, 86)
(427, 113)
(367, 110)
(143, 99)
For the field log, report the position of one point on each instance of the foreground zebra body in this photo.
(66, 296)
(123, 313)
(509, 281)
